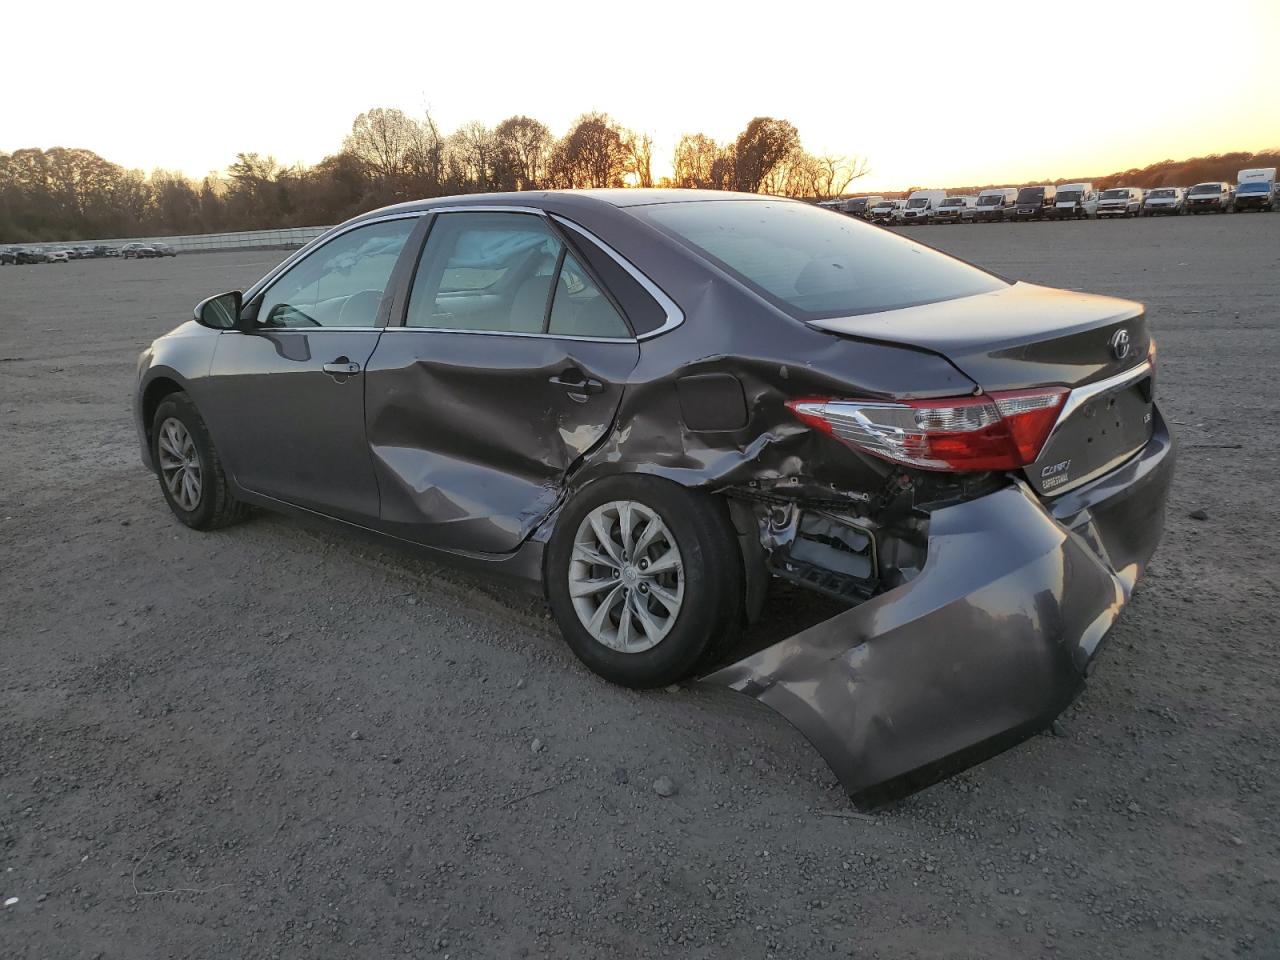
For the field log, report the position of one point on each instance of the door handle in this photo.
(342, 367)
(575, 383)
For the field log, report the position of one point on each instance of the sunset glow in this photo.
(929, 93)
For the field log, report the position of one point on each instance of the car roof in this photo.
(567, 201)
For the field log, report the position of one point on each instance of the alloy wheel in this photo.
(180, 464)
(626, 576)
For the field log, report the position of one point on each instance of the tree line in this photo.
(389, 156)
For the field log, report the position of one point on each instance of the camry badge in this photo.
(1120, 343)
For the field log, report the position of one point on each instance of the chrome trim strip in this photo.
(1082, 395)
(675, 316)
(507, 333)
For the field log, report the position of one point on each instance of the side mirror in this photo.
(221, 312)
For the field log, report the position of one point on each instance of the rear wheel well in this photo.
(153, 396)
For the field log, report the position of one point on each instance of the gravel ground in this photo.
(278, 741)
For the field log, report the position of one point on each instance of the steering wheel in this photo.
(361, 309)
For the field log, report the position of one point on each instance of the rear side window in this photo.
(579, 308)
(644, 312)
(815, 265)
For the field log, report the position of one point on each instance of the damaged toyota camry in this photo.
(650, 404)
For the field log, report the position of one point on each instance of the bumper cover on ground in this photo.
(988, 644)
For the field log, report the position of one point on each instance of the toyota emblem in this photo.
(1120, 344)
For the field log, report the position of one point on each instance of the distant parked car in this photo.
(9, 255)
(57, 256)
(163, 250)
(83, 252)
(1033, 202)
(952, 209)
(860, 206)
(139, 251)
(1164, 201)
(1213, 197)
(1120, 202)
(31, 255)
(104, 250)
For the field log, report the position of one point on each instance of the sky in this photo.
(930, 93)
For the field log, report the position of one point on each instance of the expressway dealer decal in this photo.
(1055, 475)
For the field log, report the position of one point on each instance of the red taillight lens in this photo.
(997, 431)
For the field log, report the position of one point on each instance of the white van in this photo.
(1075, 201)
(1120, 202)
(921, 205)
(993, 203)
(952, 209)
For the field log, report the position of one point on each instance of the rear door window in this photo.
(507, 273)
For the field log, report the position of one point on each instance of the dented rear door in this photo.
(507, 367)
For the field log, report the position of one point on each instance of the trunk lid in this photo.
(1025, 336)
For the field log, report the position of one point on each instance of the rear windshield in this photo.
(813, 265)
(1207, 188)
(1031, 194)
(1118, 194)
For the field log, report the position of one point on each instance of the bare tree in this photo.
(640, 146)
(702, 164)
(475, 150)
(523, 150)
(592, 154)
(760, 148)
(383, 139)
(836, 173)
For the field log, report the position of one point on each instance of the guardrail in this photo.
(195, 243)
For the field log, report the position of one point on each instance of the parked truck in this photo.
(1255, 189)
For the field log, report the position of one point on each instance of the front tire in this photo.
(644, 578)
(189, 469)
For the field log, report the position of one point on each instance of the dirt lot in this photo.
(273, 741)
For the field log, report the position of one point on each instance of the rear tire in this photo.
(188, 467)
(628, 622)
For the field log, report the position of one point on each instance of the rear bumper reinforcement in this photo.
(987, 645)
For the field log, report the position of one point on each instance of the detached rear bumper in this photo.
(988, 644)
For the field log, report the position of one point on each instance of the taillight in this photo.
(996, 431)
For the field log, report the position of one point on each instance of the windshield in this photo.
(1119, 194)
(990, 199)
(1163, 194)
(1031, 194)
(883, 205)
(1256, 187)
(1201, 188)
(814, 265)
(953, 202)
(917, 203)
(1069, 196)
